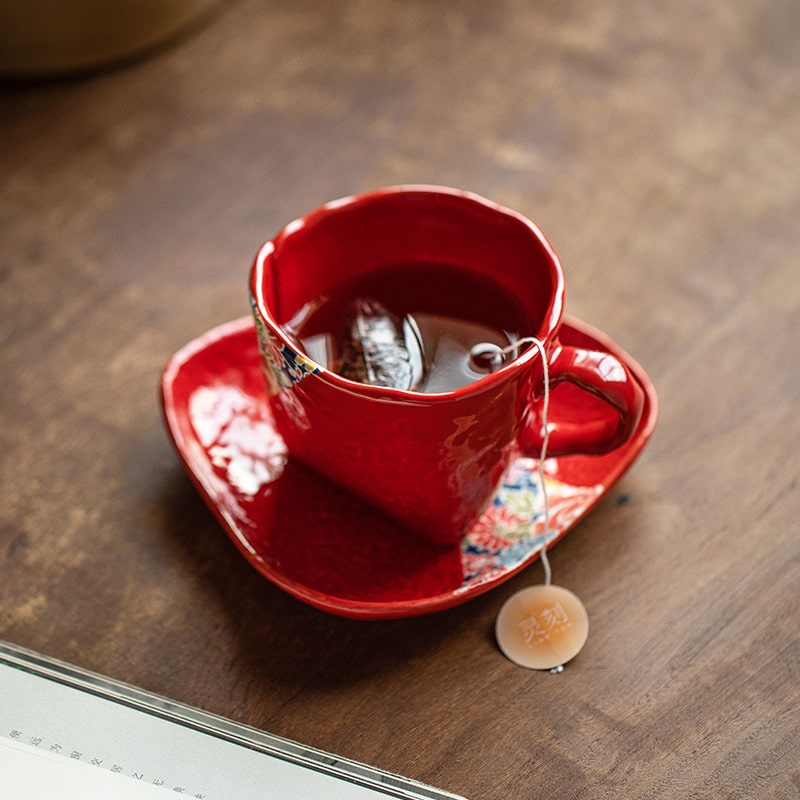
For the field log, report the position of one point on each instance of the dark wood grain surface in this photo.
(657, 146)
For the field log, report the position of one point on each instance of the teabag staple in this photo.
(377, 347)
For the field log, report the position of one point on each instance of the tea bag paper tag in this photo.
(542, 627)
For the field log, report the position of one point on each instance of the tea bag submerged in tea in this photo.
(377, 347)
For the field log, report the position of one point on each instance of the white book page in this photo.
(28, 773)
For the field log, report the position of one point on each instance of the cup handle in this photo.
(604, 376)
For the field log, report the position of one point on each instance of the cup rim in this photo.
(548, 327)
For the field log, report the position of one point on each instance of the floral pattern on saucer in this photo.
(512, 527)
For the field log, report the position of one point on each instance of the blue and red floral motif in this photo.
(282, 366)
(512, 527)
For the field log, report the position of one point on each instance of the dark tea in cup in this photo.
(410, 326)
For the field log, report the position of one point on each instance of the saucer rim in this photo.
(387, 609)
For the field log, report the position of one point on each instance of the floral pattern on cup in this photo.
(282, 366)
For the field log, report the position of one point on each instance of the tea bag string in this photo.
(530, 610)
(527, 610)
(545, 438)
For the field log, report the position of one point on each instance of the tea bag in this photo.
(377, 347)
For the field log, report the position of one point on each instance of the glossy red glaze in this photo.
(431, 461)
(323, 545)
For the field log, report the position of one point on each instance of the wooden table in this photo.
(657, 148)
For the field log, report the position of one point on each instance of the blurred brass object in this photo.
(47, 37)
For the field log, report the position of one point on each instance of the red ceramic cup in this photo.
(431, 461)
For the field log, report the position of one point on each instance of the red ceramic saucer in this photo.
(328, 548)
